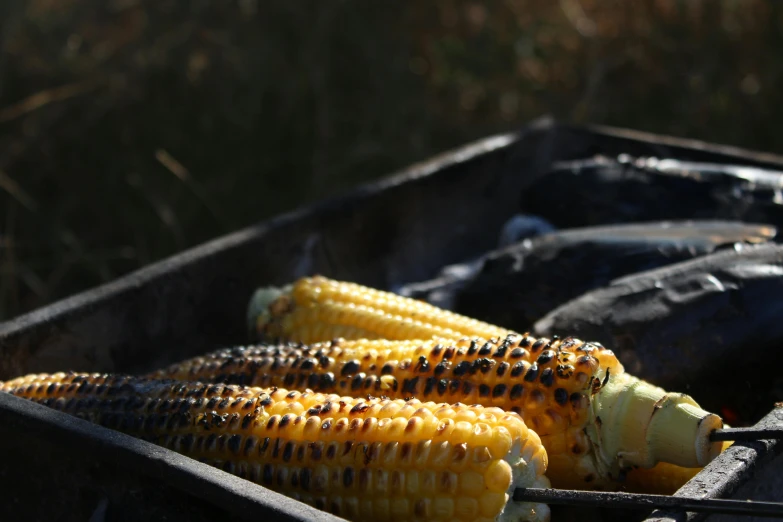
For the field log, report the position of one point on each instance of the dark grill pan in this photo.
(400, 230)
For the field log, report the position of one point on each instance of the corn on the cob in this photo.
(358, 458)
(319, 309)
(270, 313)
(595, 421)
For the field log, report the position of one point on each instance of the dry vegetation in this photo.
(131, 129)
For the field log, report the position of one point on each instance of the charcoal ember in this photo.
(706, 326)
(440, 290)
(443, 288)
(603, 190)
(519, 284)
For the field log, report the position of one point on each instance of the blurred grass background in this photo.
(132, 129)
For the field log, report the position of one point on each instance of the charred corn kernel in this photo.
(595, 420)
(396, 468)
(319, 309)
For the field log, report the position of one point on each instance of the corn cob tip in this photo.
(524, 471)
(258, 307)
(637, 424)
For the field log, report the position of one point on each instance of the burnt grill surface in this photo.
(410, 225)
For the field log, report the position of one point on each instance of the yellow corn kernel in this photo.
(319, 309)
(398, 468)
(467, 508)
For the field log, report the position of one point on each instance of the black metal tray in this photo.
(400, 229)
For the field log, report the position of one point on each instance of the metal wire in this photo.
(746, 434)
(619, 500)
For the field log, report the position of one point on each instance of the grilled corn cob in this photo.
(595, 421)
(319, 309)
(357, 458)
(278, 314)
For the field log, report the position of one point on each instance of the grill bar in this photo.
(746, 434)
(619, 500)
(722, 477)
